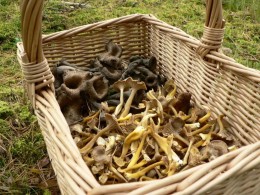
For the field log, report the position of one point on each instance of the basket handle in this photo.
(35, 67)
(214, 28)
(31, 16)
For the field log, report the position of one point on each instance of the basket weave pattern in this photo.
(196, 66)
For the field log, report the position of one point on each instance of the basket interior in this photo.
(223, 91)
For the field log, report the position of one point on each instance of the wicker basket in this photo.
(214, 80)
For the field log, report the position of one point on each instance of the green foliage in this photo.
(24, 114)
(5, 110)
(26, 148)
(252, 7)
(9, 24)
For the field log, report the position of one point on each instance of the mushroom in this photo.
(108, 63)
(142, 172)
(213, 150)
(195, 157)
(195, 114)
(136, 155)
(113, 170)
(223, 125)
(121, 85)
(111, 74)
(135, 86)
(99, 155)
(183, 102)
(136, 134)
(112, 56)
(76, 127)
(112, 125)
(101, 141)
(136, 166)
(97, 87)
(185, 159)
(174, 126)
(155, 103)
(104, 177)
(165, 145)
(207, 136)
(61, 68)
(205, 117)
(202, 129)
(111, 143)
(170, 88)
(150, 78)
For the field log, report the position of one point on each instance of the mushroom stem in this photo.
(205, 117)
(112, 124)
(180, 138)
(128, 103)
(185, 159)
(171, 169)
(165, 145)
(196, 145)
(136, 166)
(205, 127)
(135, 85)
(124, 118)
(172, 93)
(156, 149)
(143, 171)
(136, 134)
(173, 110)
(89, 118)
(220, 124)
(145, 178)
(113, 170)
(145, 119)
(138, 151)
(120, 105)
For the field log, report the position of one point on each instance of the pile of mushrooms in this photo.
(130, 124)
(81, 90)
(168, 135)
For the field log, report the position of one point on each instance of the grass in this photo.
(24, 165)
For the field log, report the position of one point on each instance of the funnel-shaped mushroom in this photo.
(97, 87)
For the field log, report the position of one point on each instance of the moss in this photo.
(5, 110)
(28, 149)
(24, 113)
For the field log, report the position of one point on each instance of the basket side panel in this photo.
(245, 183)
(52, 149)
(81, 48)
(223, 91)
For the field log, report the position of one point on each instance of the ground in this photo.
(24, 163)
